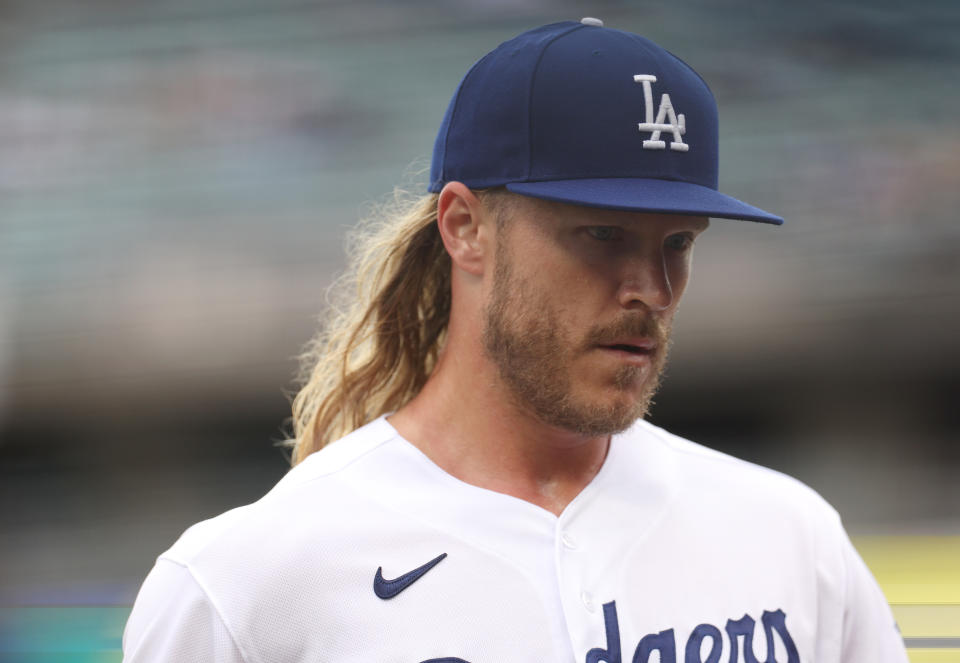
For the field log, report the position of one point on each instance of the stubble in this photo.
(533, 353)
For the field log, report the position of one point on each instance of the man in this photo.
(500, 497)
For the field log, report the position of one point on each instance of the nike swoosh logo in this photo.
(387, 589)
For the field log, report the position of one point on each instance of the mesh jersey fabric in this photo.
(671, 548)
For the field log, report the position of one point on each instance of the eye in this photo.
(602, 233)
(679, 242)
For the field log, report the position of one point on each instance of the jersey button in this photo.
(587, 599)
(568, 541)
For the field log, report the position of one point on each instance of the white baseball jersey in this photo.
(367, 551)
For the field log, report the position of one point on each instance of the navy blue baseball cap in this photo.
(579, 113)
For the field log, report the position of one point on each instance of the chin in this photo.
(602, 418)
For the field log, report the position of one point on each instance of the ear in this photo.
(460, 218)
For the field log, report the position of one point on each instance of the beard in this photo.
(534, 354)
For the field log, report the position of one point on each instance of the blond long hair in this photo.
(387, 317)
(386, 324)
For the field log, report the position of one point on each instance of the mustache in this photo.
(630, 325)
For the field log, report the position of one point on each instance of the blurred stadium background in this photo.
(176, 181)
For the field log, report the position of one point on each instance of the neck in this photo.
(464, 421)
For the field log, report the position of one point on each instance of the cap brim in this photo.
(645, 195)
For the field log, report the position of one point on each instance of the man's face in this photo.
(578, 318)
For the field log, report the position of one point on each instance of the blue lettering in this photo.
(735, 629)
(772, 622)
(740, 633)
(695, 644)
(612, 653)
(663, 642)
(777, 621)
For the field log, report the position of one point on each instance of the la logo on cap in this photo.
(677, 125)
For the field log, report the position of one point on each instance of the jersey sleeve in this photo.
(173, 619)
(870, 633)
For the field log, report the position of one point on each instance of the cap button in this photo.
(588, 20)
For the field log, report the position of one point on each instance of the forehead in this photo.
(551, 214)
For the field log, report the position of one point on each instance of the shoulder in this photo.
(319, 486)
(318, 528)
(703, 474)
(739, 509)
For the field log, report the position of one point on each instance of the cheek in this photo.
(564, 281)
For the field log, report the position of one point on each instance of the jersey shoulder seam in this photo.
(200, 535)
(687, 447)
(213, 603)
(681, 445)
(338, 467)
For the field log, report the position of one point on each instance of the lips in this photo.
(638, 346)
(632, 351)
(624, 347)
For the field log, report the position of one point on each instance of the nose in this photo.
(645, 283)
